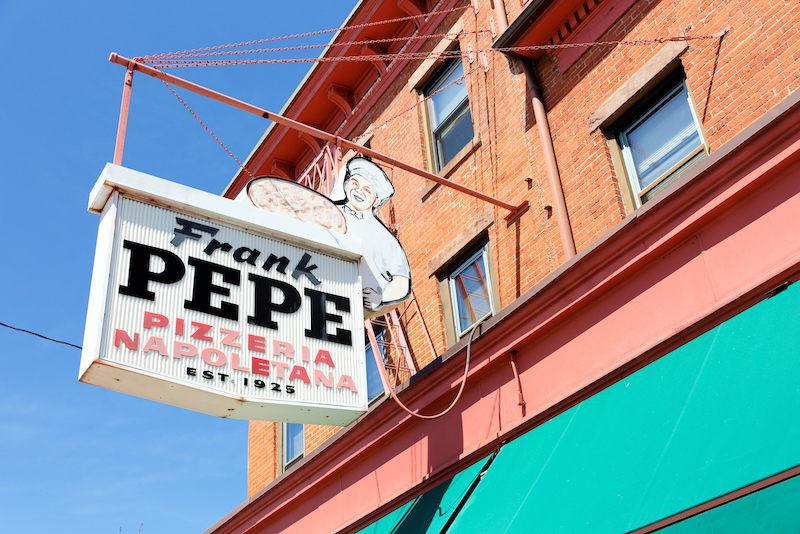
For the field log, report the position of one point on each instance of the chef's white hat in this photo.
(384, 190)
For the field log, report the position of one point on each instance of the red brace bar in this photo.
(132, 65)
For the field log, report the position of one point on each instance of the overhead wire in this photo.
(245, 169)
(164, 62)
(189, 58)
(307, 34)
(182, 63)
(374, 127)
(186, 59)
(41, 336)
(452, 36)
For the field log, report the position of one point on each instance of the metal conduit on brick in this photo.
(556, 191)
(553, 176)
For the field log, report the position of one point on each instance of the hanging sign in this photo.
(361, 190)
(212, 305)
(385, 271)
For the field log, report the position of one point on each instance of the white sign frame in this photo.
(107, 365)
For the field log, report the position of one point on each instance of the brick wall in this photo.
(262, 455)
(755, 68)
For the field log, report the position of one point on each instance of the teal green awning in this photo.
(774, 510)
(715, 415)
(432, 511)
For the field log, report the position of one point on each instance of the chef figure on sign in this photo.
(384, 268)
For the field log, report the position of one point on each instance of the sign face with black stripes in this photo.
(250, 316)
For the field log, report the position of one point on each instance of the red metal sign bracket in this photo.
(294, 125)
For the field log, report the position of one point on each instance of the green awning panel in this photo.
(432, 511)
(774, 510)
(718, 414)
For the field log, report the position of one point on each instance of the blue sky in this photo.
(76, 458)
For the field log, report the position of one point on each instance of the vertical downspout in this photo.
(553, 176)
(500, 14)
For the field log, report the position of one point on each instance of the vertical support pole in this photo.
(337, 159)
(397, 330)
(327, 169)
(553, 176)
(123, 115)
(422, 320)
(520, 398)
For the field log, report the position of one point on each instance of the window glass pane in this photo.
(444, 103)
(471, 290)
(374, 382)
(294, 442)
(663, 139)
(454, 136)
(677, 173)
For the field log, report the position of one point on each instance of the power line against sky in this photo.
(77, 458)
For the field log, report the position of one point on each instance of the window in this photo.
(374, 382)
(449, 118)
(660, 141)
(471, 292)
(293, 443)
(467, 286)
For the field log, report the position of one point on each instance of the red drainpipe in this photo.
(553, 176)
(500, 15)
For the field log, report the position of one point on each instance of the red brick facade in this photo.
(262, 457)
(733, 81)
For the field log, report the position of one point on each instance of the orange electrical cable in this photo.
(167, 63)
(388, 386)
(635, 42)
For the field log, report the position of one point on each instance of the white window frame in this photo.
(627, 156)
(482, 255)
(287, 462)
(438, 76)
(380, 336)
